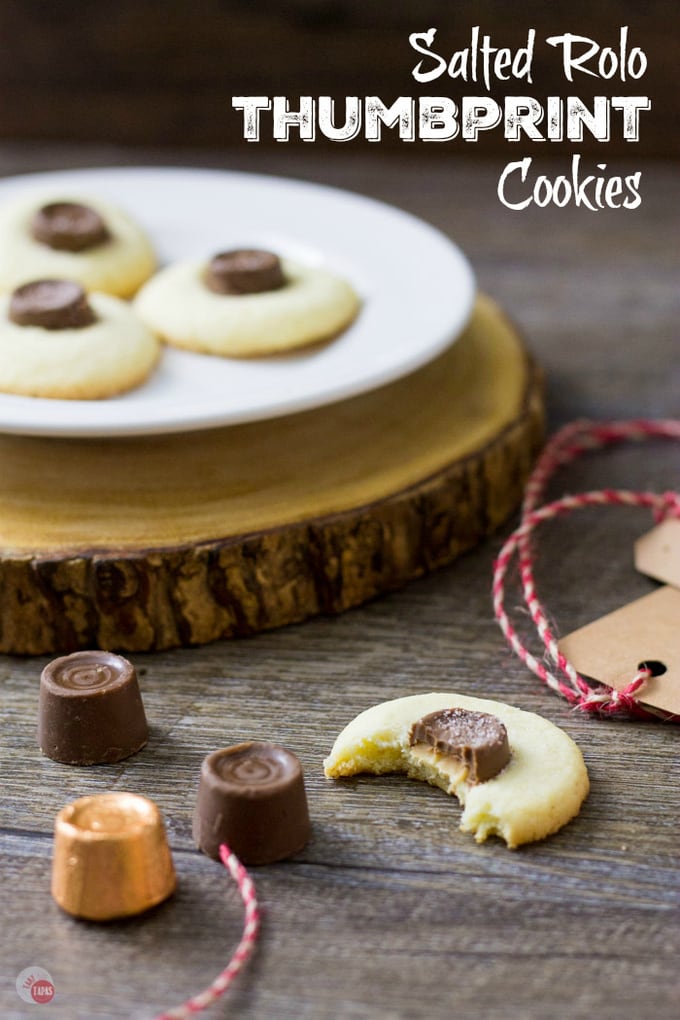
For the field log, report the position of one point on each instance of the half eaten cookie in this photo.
(516, 775)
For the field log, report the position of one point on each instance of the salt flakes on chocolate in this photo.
(477, 739)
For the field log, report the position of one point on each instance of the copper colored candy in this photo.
(69, 226)
(90, 711)
(51, 304)
(244, 272)
(252, 797)
(478, 739)
(111, 857)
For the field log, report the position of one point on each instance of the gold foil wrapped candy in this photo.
(111, 857)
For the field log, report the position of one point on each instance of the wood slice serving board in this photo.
(153, 542)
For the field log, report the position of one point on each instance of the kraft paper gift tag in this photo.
(612, 649)
(657, 553)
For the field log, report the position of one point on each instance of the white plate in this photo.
(416, 286)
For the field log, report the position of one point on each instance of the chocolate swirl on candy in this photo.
(244, 271)
(255, 765)
(252, 797)
(69, 226)
(91, 709)
(88, 671)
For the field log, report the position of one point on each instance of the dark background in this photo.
(150, 73)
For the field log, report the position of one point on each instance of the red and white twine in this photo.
(251, 927)
(565, 446)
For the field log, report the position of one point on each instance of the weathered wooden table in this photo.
(390, 911)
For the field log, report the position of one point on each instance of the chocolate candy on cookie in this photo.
(252, 797)
(244, 271)
(478, 739)
(69, 226)
(51, 304)
(90, 709)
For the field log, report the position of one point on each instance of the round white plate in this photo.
(416, 286)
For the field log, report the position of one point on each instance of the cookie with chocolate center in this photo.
(56, 341)
(84, 239)
(522, 793)
(246, 303)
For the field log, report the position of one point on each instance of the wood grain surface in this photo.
(390, 912)
(160, 541)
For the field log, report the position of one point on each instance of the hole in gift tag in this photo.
(655, 667)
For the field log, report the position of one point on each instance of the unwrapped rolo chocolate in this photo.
(69, 226)
(477, 739)
(51, 304)
(91, 709)
(252, 797)
(244, 271)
